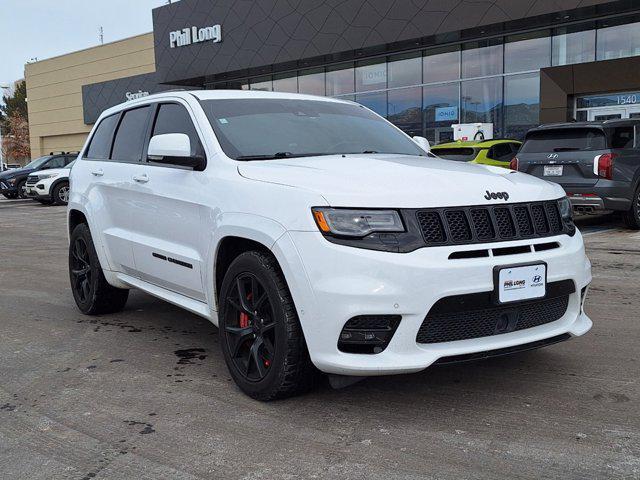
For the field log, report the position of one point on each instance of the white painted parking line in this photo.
(604, 230)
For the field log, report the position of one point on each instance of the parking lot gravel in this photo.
(146, 394)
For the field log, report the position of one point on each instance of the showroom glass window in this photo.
(405, 109)
(441, 64)
(261, 83)
(441, 109)
(481, 102)
(530, 51)
(618, 41)
(482, 59)
(405, 70)
(371, 75)
(521, 104)
(340, 79)
(574, 45)
(285, 83)
(311, 82)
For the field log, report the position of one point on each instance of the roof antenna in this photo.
(101, 35)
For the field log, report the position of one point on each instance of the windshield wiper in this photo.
(278, 155)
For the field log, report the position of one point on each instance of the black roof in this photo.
(601, 124)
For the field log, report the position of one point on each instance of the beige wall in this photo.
(54, 89)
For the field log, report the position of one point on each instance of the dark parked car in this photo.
(597, 163)
(12, 182)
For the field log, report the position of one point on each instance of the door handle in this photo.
(144, 178)
(97, 173)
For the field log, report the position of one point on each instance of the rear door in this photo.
(167, 213)
(563, 155)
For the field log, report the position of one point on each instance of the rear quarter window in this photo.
(565, 139)
(623, 137)
(100, 146)
(457, 154)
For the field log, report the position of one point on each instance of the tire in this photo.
(60, 194)
(43, 202)
(21, 190)
(92, 293)
(632, 216)
(10, 196)
(262, 340)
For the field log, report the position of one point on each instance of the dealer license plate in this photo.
(522, 283)
(553, 170)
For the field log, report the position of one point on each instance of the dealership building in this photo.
(423, 64)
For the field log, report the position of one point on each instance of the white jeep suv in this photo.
(318, 236)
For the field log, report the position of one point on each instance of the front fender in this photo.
(262, 230)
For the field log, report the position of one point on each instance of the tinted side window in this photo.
(501, 152)
(100, 146)
(174, 118)
(622, 137)
(129, 140)
(56, 162)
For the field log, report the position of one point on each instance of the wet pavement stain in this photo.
(7, 407)
(187, 355)
(148, 427)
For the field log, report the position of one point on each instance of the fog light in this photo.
(368, 334)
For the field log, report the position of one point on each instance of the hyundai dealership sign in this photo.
(191, 35)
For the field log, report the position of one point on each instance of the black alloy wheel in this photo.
(91, 291)
(250, 328)
(81, 270)
(632, 216)
(22, 189)
(261, 337)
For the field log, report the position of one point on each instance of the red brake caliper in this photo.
(244, 318)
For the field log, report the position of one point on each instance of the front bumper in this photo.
(37, 192)
(332, 284)
(7, 189)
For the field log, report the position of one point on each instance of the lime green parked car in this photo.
(487, 152)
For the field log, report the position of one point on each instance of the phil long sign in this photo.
(191, 35)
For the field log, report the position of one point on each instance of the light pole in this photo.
(4, 87)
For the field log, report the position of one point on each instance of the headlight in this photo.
(566, 211)
(356, 223)
(47, 175)
(12, 181)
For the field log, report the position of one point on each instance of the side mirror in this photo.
(423, 143)
(174, 149)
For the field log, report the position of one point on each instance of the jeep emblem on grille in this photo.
(497, 195)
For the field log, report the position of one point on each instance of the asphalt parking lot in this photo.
(145, 393)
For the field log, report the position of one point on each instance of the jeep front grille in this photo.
(493, 223)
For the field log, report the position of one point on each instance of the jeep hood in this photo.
(399, 181)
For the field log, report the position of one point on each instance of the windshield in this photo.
(262, 129)
(564, 140)
(38, 162)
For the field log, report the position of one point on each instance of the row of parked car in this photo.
(45, 179)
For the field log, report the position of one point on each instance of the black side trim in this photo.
(500, 352)
(172, 260)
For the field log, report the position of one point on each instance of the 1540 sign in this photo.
(191, 35)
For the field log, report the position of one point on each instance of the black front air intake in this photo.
(368, 334)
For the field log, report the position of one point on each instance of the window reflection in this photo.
(574, 46)
(530, 51)
(311, 82)
(618, 41)
(405, 109)
(441, 64)
(480, 59)
(405, 70)
(374, 101)
(521, 104)
(340, 80)
(261, 83)
(371, 76)
(482, 102)
(285, 83)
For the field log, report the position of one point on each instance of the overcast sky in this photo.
(47, 28)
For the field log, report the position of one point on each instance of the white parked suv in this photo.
(50, 186)
(318, 236)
